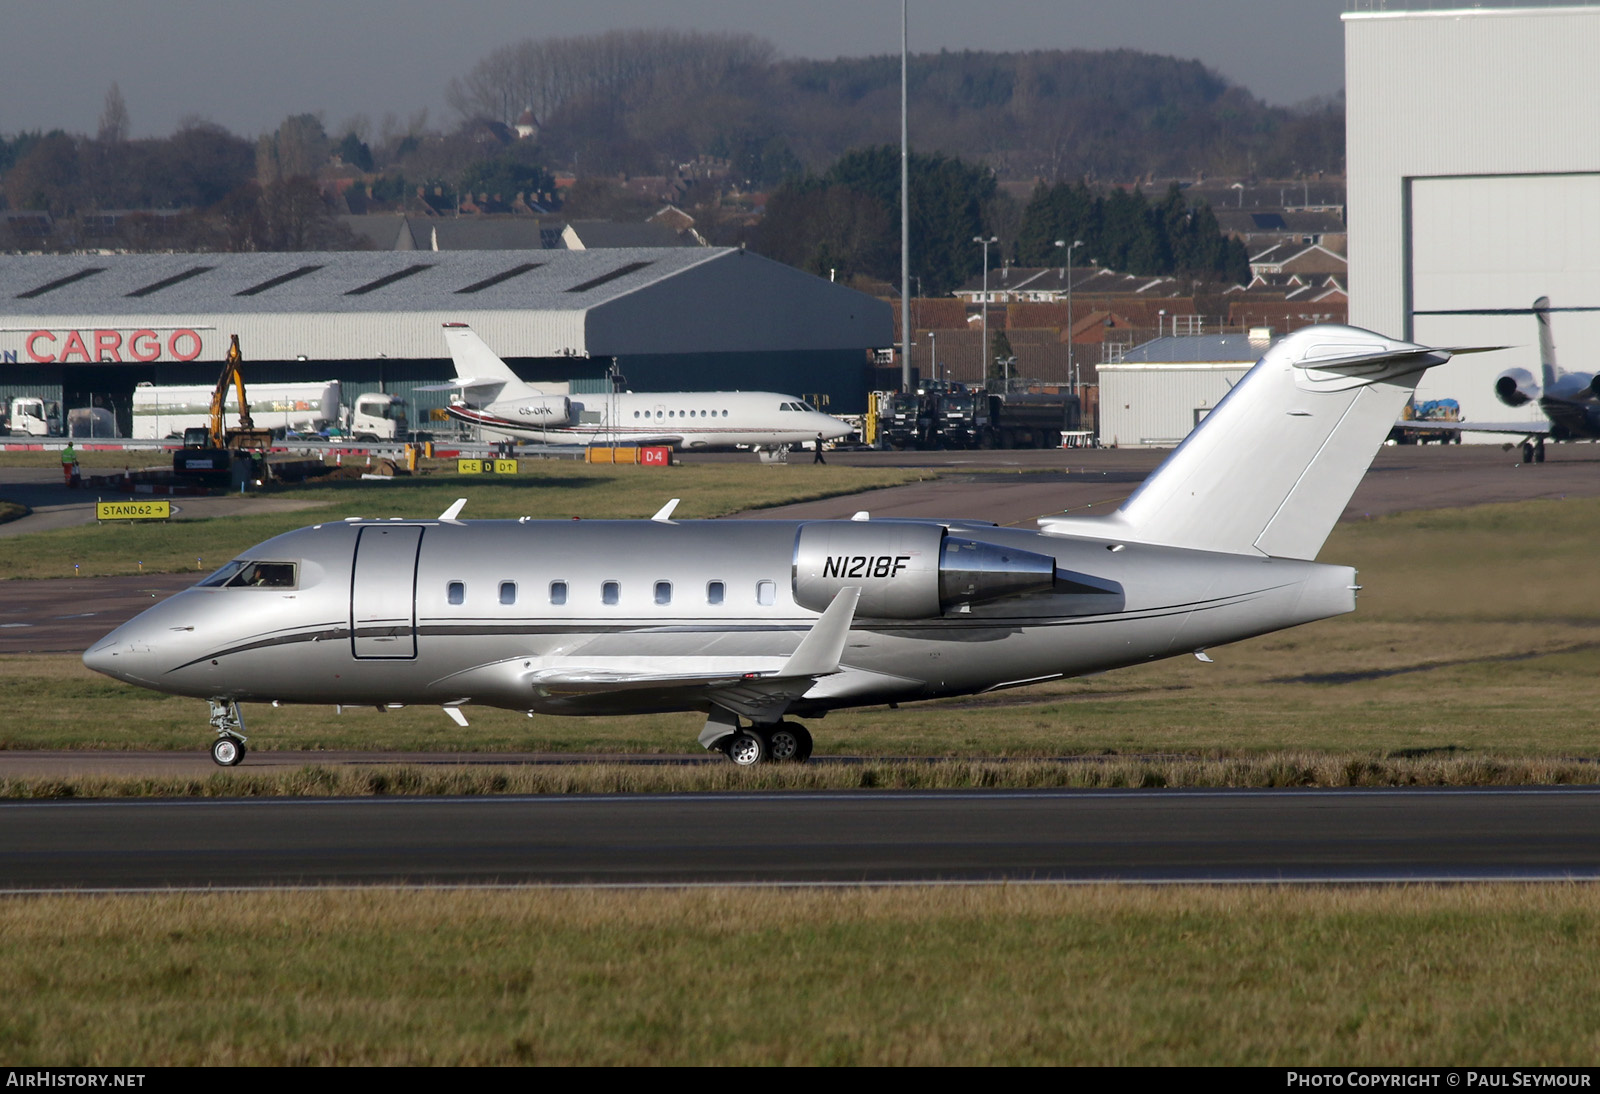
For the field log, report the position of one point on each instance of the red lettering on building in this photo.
(108, 345)
(74, 346)
(194, 340)
(143, 345)
(31, 346)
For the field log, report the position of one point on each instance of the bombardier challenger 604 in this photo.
(758, 623)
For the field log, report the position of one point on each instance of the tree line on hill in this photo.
(816, 135)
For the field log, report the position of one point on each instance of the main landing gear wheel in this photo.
(227, 751)
(789, 742)
(746, 749)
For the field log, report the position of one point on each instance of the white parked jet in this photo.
(504, 406)
(1570, 401)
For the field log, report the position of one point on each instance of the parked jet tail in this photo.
(1549, 371)
(1271, 468)
(480, 369)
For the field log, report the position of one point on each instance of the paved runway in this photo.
(870, 837)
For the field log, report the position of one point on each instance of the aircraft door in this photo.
(383, 597)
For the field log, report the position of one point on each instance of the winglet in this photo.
(664, 514)
(454, 511)
(820, 650)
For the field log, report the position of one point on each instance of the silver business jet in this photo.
(761, 622)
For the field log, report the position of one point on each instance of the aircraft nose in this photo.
(122, 655)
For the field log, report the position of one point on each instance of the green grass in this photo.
(1487, 975)
(1269, 770)
(544, 489)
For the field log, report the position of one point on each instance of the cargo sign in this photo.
(60, 347)
(486, 467)
(133, 510)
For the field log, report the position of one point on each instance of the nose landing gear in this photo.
(228, 720)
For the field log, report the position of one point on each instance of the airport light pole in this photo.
(933, 344)
(1072, 365)
(905, 214)
(983, 351)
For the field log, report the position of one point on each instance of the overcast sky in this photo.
(247, 64)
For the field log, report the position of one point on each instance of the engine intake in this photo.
(910, 570)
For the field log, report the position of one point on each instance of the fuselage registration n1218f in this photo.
(760, 622)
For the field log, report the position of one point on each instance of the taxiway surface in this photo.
(873, 837)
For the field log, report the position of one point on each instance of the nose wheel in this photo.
(227, 751)
(228, 720)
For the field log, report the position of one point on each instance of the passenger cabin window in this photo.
(610, 592)
(558, 592)
(257, 575)
(766, 592)
(508, 592)
(715, 592)
(663, 592)
(456, 592)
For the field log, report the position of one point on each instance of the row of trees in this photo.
(845, 223)
(1123, 230)
(637, 100)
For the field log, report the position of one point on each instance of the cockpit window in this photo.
(221, 576)
(265, 575)
(242, 573)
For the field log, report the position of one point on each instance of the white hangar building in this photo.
(85, 329)
(1473, 161)
(1158, 392)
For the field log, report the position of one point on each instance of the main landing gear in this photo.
(228, 720)
(1533, 451)
(785, 742)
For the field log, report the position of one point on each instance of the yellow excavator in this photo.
(210, 451)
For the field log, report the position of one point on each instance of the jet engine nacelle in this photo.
(910, 570)
(1516, 386)
(545, 410)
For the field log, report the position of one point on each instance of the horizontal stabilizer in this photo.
(461, 384)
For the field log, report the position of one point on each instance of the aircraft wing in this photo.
(1520, 429)
(748, 693)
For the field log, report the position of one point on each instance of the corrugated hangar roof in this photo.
(333, 280)
(1198, 349)
(350, 305)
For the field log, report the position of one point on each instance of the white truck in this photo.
(315, 407)
(31, 417)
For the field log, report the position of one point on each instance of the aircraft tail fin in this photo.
(1550, 372)
(480, 369)
(1272, 466)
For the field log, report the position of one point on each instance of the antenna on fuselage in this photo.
(454, 511)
